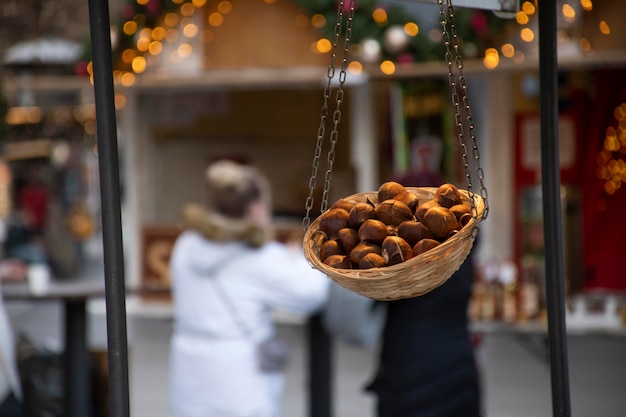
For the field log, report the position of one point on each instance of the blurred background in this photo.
(200, 80)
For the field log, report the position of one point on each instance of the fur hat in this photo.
(238, 207)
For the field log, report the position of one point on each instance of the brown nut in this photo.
(332, 221)
(373, 231)
(331, 247)
(413, 231)
(371, 260)
(447, 195)
(344, 204)
(460, 209)
(338, 261)
(361, 250)
(408, 198)
(393, 212)
(395, 250)
(360, 212)
(423, 207)
(424, 245)
(440, 221)
(389, 190)
(348, 238)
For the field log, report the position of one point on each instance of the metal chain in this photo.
(446, 16)
(324, 111)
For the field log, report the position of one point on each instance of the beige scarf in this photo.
(222, 229)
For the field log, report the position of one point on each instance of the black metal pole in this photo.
(551, 183)
(115, 288)
(320, 369)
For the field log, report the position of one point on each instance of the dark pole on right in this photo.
(551, 185)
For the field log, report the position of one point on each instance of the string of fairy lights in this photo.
(158, 33)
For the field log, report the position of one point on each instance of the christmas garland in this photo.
(379, 30)
(477, 29)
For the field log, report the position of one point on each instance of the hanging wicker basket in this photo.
(414, 277)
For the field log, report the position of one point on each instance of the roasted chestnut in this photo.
(425, 245)
(395, 250)
(361, 250)
(373, 231)
(331, 247)
(332, 221)
(447, 195)
(389, 190)
(393, 212)
(348, 238)
(413, 231)
(408, 198)
(423, 207)
(360, 212)
(440, 221)
(338, 261)
(371, 260)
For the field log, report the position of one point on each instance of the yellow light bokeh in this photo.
(158, 33)
(190, 30)
(184, 50)
(491, 59)
(569, 14)
(143, 44)
(187, 9)
(142, 2)
(198, 3)
(528, 8)
(127, 79)
(323, 46)
(128, 55)
(411, 29)
(355, 67)
(586, 5)
(139, 64)
(604, 28)
(171, 19)
(224, 7)
(130, 27)
(215, 19)
(527, 35)
(380, 16)
(521, 18)
(318, 21)
(508, 50)
(155, 48)
(387, 67)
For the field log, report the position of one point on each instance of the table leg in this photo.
(77, 363)
(320, 369)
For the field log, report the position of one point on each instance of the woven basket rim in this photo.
(436, 254)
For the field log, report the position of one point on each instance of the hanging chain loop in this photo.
(451, 42)
(339, 97)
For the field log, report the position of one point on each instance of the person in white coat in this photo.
(10, 387)
(228, 274)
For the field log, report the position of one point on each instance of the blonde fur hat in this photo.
(239, 205)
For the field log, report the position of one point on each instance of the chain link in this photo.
(449, 36)
(339, 97)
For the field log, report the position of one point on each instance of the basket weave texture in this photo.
(414, 277)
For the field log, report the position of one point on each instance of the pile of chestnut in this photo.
(394, 228)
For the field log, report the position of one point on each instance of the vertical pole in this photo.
(320, 369)
(77, 363)
(111, 208)
(550, 178)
